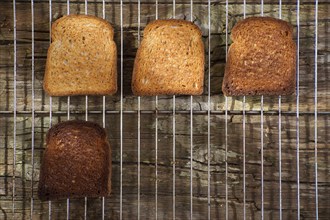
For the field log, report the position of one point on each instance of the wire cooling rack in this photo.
(250, 196)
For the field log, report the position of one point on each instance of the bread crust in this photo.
(76, 162)
(262, 58)
(170, 60)
(82, 58)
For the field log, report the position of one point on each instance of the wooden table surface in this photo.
(24, 107)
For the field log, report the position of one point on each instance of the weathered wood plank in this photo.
(23, 166)
(222, 2)
(217, 57)
(147, 14)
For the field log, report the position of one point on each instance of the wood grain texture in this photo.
(25, 171)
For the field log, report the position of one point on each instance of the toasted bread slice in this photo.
(170, 60)
(76, 162)
(262, 58)
(82, 58)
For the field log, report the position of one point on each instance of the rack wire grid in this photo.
(174, 157)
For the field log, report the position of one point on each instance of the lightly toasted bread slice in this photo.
(82, 58)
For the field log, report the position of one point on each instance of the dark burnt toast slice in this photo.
(76, 162)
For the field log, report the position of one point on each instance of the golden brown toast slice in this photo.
(262, 58)
(170, 60)
(82, 58)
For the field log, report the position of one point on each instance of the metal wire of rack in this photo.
(175, 113)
